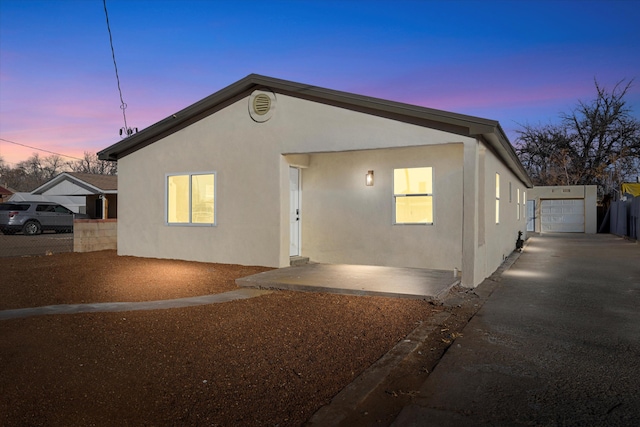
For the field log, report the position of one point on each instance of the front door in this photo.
(294, 211)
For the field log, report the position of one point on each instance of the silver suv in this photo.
(35, 217)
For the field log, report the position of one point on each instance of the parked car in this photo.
(35, 217)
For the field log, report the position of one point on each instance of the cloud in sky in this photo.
(512, 61)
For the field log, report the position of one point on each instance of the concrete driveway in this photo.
(557, 343)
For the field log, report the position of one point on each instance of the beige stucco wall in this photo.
(485, 243)
(500, 238)
(252, 190)
(588, 193)
(345, 221)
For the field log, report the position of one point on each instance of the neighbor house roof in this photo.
(5, 191)
(92, 183)
(489, 130)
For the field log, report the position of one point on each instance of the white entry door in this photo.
(294, 211)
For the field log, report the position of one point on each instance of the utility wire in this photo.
(40, 149)
(123, 105)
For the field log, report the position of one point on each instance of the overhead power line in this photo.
(126, 131)
(39, 149)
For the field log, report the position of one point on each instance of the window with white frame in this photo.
(191, 198)
(413, 195)
(497, 198)
(518, 200)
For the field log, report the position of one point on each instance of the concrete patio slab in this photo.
(414, 283)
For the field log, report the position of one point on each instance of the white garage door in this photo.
(562, 216)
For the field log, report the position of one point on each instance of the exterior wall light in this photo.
(369, 179)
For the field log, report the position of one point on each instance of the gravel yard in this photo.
(266, 361)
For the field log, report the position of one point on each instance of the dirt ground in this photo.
(272, 360)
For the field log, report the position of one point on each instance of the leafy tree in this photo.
(596, 143)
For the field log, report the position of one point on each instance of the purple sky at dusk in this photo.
(513, 61)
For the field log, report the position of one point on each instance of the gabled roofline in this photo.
(488, 130)
(79, 182)
(5, 191)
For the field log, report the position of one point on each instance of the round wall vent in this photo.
(262, 105)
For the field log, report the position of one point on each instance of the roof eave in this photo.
(471, 126)
(500, 143)
(348, 100)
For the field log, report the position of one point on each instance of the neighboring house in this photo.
(5, 193)
(93, 194)
(268, 169)
(563, 209)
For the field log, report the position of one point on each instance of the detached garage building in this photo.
(562, 209)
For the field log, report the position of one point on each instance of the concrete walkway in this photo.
(343, 279)
(356, 280)
(131, 306)
(556, 344)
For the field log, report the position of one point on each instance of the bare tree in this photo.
(4, 170)
(91, 164)
(597, 143)
(31, 173)
(543, 152)
(35, 171)
(52, 165)
(15, 178)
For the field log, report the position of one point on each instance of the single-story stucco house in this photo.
(268, 169)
